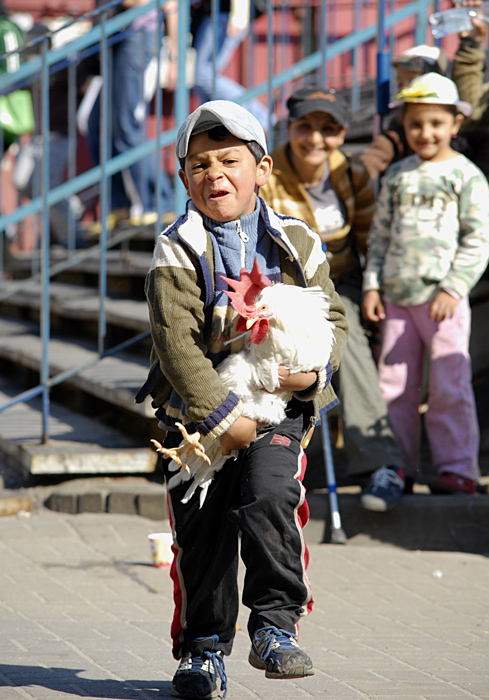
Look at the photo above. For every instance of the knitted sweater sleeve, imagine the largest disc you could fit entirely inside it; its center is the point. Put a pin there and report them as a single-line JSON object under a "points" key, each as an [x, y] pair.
{"points": [[177, 318], [468, 76]]}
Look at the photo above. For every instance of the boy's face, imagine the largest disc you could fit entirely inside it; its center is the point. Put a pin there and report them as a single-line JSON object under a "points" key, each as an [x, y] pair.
{"points": [[404, 76], [313, 137], [429, 129], [221, 177]]}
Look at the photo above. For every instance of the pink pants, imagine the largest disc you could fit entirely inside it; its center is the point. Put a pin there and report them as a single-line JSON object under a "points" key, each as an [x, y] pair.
{"points": [[451, 420]]}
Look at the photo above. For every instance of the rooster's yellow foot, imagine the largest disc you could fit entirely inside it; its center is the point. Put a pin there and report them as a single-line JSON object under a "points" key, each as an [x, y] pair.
{"points": [[192, 444]]}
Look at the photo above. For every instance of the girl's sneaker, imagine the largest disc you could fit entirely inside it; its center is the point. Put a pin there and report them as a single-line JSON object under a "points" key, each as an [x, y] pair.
{"points": [[277, 652], [452, 483]]}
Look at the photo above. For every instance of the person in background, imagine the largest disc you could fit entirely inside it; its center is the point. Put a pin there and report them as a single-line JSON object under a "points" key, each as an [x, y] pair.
{"points": [[11, 38], [232, 27], [27, 173], [315, 181], [428, 246], [391, 145], [133, 189], [468, 74]]}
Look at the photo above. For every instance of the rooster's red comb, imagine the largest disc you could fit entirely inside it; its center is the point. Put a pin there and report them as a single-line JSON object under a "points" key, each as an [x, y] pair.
{"points": [[247, 289]]}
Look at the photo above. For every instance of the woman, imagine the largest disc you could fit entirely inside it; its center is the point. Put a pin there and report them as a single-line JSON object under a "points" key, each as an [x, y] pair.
{"points": [[315, 181]]}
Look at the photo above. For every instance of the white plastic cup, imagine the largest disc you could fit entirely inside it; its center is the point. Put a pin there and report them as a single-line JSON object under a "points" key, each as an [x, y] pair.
{"points": [[160, 543]]}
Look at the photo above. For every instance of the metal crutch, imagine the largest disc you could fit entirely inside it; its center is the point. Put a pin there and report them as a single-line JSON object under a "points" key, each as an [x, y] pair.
{"points": [[338, 535]]}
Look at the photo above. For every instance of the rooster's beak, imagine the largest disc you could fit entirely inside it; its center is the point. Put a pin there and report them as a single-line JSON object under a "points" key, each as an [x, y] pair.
{"points": [[251, 322]]}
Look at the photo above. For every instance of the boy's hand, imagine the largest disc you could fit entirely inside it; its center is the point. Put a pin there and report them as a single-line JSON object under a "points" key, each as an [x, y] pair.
{"points": [[443, 306], [241, 434], [372, 306], [294, 382]]}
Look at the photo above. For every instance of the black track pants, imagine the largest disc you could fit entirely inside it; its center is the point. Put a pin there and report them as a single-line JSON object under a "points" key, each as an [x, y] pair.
{"points": [[261, 497]]}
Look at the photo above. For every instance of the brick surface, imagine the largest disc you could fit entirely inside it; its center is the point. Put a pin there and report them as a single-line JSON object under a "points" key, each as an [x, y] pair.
{"points": [[84, 614]]}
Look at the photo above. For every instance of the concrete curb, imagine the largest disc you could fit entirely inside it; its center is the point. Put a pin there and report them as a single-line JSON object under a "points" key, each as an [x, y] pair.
{"points": [[420, 521], [148, 504]]}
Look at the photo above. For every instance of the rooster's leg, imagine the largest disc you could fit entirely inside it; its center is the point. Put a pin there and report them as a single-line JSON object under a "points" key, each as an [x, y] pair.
{"points": [[191, 444]]}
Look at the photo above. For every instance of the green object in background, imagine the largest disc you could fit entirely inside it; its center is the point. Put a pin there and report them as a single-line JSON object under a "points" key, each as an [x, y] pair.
{"points": [[16, 113]]}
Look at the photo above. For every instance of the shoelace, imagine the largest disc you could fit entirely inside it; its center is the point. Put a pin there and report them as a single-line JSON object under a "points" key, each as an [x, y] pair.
{"points": [[275, 636], [214, 658], [383, 477], [218, 664]]}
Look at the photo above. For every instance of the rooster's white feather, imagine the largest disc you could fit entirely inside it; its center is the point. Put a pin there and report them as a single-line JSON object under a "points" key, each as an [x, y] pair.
{"points": [[300, 338]]}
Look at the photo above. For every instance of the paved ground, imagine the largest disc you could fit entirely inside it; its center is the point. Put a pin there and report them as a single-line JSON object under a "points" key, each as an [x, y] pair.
{"points": [[82, 613]]}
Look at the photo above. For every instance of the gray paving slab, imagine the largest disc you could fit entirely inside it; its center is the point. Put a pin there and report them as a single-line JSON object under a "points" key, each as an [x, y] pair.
{"points": [[84, 614]]}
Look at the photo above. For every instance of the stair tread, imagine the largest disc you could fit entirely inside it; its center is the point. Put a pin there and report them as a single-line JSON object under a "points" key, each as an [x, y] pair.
{"points": [[115, 378], [77, 301], [78, 444], [120, 263]]}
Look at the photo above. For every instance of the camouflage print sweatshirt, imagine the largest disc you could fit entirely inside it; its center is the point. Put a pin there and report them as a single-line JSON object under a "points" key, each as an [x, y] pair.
{"points": [[430, 230]]}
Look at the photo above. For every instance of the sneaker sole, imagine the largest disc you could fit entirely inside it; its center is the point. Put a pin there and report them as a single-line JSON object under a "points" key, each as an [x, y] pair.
{"points": [[191, 695], [370, 502], [297, 672]]}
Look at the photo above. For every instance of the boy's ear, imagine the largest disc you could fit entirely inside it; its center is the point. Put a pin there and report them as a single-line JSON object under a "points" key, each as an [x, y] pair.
{"points": [[263, 170], [183, 178]]}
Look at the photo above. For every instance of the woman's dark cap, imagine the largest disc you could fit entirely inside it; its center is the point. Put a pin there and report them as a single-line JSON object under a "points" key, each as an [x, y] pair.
{"points": [[313, 99]]}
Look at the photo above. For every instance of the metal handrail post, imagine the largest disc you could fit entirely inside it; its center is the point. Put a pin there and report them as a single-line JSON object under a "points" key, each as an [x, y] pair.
{"points": [[383, 68], [72, 143], [182, 93], [323, 32], [355, 88], [215, 19], [104, 185], [422, 22], [270, 73], [158, 116], [45, 242]]}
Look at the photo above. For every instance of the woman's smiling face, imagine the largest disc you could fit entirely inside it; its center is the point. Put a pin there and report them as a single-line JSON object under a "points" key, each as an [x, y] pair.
{"points": [[314, 136]]}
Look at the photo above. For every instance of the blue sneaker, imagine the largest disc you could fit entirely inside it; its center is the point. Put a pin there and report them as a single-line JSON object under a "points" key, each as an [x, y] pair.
{"points": [[277, 652], [384, 490], [198, 673]]}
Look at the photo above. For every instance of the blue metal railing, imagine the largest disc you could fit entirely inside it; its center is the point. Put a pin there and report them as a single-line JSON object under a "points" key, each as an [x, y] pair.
{"points": [[100, 38]]}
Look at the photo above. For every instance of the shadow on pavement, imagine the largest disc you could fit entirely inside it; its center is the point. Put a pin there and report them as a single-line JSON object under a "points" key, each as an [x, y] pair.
{"points": [[68, 680]]}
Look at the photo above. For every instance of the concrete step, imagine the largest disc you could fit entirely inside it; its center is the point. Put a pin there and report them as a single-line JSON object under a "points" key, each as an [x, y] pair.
{"points": [[72, 301], [77, 444], [113, 379], [126, 268], [420, 521]]}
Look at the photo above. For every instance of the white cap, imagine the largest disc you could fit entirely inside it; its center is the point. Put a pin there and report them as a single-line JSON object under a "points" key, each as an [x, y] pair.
{"points": [[433, 88], [237, 120]]}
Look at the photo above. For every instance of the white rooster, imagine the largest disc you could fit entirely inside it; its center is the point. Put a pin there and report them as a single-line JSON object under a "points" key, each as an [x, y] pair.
{"points": [[285, 325]]}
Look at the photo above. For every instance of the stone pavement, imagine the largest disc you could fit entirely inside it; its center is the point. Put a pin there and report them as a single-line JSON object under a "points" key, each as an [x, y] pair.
{"points": [[84, 614]]}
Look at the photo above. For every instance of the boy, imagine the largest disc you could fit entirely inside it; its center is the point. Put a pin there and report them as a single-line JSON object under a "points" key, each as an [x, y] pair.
{"points": [[391, 145], [428, 246], [223, 156]]}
